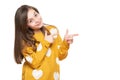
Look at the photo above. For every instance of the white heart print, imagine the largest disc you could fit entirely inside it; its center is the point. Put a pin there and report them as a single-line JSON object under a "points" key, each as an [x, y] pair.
{"points": [[48, 52], [54, 32], [39, 47], [57, 60], [29, 59], [37, 74], [56, 76]]}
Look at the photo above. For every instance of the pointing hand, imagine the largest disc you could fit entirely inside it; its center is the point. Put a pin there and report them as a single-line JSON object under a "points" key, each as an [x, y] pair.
{"points": [[69, 37]]}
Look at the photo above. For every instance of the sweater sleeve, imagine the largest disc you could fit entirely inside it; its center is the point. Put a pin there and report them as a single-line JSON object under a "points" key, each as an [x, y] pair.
{"points": [[63, 47], [35, 58]]}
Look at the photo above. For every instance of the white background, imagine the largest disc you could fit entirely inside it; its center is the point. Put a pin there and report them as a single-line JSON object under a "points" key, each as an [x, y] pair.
{"points": [[95, 53]]}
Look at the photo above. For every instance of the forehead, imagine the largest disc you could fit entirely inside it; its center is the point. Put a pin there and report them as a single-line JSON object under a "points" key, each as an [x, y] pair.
{"points": [[30, 13]]}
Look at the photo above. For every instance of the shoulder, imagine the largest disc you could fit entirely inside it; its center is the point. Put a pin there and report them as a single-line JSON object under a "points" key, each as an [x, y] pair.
{"points": [[52, 29], [48, 26]]}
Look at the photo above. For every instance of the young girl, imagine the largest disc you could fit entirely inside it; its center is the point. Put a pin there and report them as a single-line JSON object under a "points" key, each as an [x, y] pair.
{"points": [[39, 44]]}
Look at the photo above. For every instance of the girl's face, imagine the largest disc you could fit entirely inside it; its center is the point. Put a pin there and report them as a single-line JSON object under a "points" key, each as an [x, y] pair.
{"points": [[34, 20]]}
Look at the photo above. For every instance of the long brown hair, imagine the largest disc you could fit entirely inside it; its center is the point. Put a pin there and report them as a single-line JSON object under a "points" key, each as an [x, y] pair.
{"points": [[23, 33]]}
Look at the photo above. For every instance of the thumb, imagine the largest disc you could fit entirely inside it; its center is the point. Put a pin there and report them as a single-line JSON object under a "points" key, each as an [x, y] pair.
{"points": [[66, 32]]}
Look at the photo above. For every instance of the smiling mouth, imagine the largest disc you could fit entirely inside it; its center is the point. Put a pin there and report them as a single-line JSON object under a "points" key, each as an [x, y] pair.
{"points": [[39, 23]]}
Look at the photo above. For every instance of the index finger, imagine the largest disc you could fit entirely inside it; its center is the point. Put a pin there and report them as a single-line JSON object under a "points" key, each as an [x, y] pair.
{"points": [[74, 35]]}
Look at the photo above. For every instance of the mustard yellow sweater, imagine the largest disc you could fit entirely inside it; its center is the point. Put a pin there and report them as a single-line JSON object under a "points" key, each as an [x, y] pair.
{"points": [[43, 64]]}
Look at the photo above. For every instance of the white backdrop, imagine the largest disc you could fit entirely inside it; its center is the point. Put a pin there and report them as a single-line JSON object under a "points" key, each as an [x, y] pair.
{"points": [[95, 53]]}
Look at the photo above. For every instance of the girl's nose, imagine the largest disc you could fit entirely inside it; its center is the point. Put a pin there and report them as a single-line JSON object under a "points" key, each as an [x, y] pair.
{"points": [[37, 20]]}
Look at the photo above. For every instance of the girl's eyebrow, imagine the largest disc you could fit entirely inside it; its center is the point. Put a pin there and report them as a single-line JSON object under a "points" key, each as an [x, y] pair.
{"points": [[35, 12]]}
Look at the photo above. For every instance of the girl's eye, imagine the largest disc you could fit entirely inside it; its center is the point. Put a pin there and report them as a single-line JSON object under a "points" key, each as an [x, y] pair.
{"points": [[35, 15], [30, 21]]}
